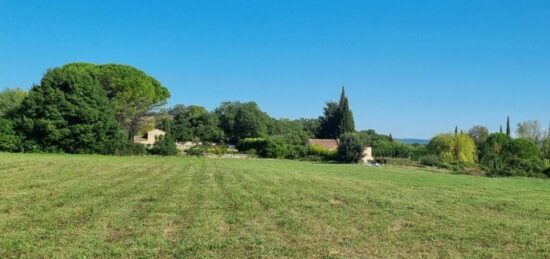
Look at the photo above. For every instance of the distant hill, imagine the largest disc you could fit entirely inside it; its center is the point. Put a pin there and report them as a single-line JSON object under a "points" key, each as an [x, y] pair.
{"points": [[413, 141]]}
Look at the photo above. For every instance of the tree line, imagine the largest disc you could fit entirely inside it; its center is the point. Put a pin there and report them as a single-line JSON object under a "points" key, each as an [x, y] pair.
{"points": [[88, 108]]}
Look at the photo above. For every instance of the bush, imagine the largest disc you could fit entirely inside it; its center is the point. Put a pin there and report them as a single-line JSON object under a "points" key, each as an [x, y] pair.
{"points": [[547, 172], [9, 141], [273, 147], [319, 153], [198, 150], [454, 148], [517, 157], [127, 148], [430, 160], [165, 146], [350, 149], [392, 149]]}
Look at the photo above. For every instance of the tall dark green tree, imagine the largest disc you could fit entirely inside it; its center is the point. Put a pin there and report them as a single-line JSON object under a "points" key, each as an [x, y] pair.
{"points": [[508, 130], [337, 118], [329, 123], [347, 124]]}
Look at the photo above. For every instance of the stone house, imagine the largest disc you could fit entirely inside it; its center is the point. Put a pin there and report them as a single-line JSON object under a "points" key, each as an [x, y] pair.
{"points": [[150, 137]]}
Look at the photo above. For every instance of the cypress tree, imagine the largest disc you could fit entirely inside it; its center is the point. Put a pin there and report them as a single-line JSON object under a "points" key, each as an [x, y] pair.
{"points": [[508, 132], [347, 125]]}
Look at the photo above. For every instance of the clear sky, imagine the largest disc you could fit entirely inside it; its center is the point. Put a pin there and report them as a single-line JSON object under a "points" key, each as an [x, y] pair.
{"points": [[411, 68]]}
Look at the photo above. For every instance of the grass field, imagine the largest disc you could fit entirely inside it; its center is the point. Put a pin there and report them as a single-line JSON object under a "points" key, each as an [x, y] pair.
{"points": [[100, 206]]}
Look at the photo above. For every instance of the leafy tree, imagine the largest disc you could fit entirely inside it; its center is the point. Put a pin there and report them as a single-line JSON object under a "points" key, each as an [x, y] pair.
{"points": [[69, 112], [10, 99], [491, 153], [165, 146], [9, 140], [310, 126], [531, 130], [195, 123], [465, 149], [329, 123], [521, 158], [546, 147], [241, 120], [132, 94], [479, 134], [350, 149], [337, 119], [451, 148]]}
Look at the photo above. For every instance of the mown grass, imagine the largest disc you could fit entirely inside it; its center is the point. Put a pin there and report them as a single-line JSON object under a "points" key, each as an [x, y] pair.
{"points": [[101, 206]]}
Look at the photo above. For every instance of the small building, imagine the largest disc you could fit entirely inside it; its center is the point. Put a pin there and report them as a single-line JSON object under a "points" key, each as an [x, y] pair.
{"points": [[150, 137], [367, 155]]}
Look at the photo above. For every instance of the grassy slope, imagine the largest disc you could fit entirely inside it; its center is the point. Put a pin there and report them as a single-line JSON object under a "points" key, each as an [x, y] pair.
{"points": [[68, 205]]}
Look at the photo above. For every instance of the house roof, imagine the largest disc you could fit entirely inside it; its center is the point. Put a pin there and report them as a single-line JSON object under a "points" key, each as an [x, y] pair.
{"points": [[330, 144]]}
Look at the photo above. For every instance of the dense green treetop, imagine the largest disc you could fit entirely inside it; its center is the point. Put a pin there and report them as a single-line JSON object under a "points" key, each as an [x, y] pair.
{"points": [[68, 112], [10, 99]]}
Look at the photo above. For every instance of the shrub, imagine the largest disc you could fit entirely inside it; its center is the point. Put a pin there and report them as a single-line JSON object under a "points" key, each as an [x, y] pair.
{"points": [[319, 153], [9, 141], [430, 160], [165, 146], [127, 148], [547, 172], [273, 147], [198, 150], [350, 149], [517, 157], [453, 148]]}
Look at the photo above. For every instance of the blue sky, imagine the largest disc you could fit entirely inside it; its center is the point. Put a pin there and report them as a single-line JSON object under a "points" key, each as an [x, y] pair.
{"points": [[411, 68]]}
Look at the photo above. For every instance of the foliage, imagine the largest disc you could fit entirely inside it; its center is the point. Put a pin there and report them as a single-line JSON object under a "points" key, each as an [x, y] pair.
{"points": [[196, 123], [350, 149], [272, 147], [491, 156], [479, 134], [531, 130], [165, 146], [347, 124], [337, 119], [10, 99], [241, 120], [68, 112], [198, 150], [430, 160], [329, 123], [9, 140], [453, 148], [132, 94], [546, 148], [127, 148], [504, 156], [392, 149], [315, 151]]}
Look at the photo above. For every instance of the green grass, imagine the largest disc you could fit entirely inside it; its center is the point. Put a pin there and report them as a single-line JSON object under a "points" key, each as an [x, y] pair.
{"points": [[101, 206]]}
